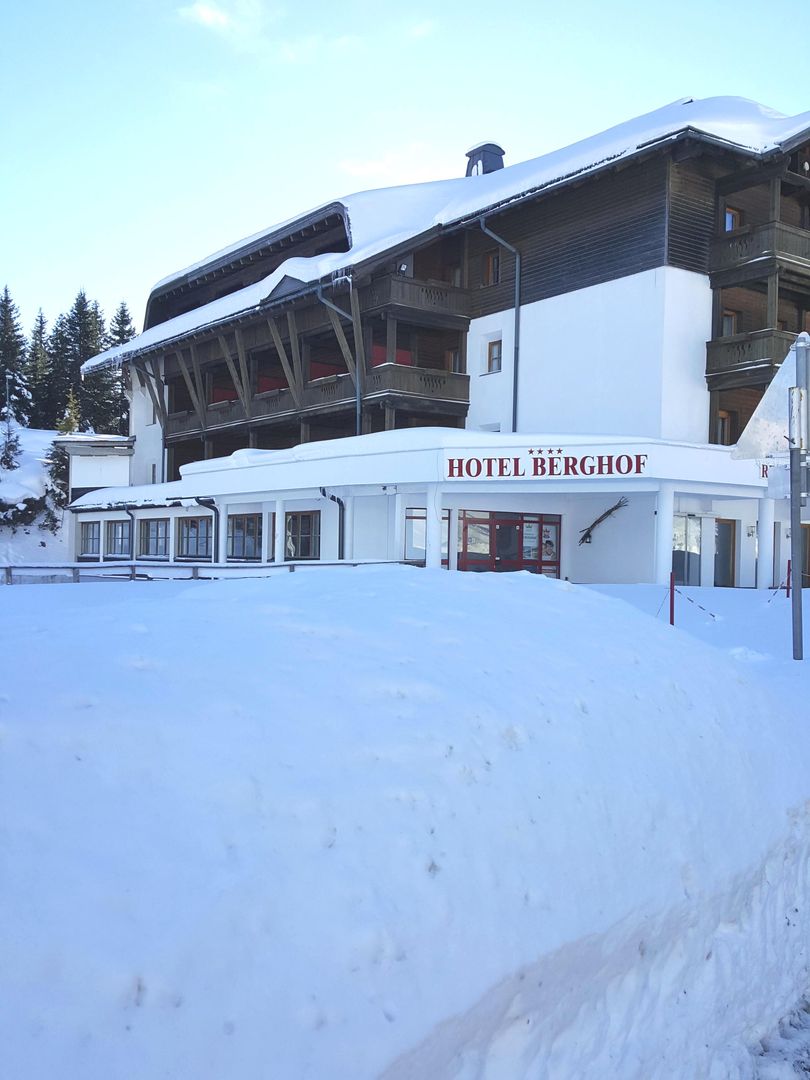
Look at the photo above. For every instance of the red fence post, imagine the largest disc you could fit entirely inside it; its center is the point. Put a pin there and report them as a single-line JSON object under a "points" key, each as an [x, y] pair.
{"points": [[672, 599]]}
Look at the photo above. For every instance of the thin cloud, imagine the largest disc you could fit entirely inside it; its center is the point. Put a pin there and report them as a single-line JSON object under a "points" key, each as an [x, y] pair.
{"points": [[422, 29], [206, 15]]}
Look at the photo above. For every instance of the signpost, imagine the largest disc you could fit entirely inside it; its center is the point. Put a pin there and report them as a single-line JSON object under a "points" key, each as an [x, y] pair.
{"points": [[797, 440]]}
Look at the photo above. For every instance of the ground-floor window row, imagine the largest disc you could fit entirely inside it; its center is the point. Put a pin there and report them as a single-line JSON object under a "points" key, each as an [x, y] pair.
{"points": [[194, 537]]}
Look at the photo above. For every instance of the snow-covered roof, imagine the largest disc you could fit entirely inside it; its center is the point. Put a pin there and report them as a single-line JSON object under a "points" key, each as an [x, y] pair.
{"points": [[415, 455], [383, 219]]}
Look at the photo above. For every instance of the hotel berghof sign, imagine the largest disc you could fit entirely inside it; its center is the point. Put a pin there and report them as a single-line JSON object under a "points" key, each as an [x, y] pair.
{"points": [[541, 464]]}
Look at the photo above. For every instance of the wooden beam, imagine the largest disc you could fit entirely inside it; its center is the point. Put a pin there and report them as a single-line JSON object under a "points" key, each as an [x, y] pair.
{"points": [[390, 340], [198, 379], [226, 352], [772, 316], [775, 198], [342, 344], [243, 367], [747, 178], [359, 347], [285, 361], [159, 390], [192, 392], [146, 379], [295, 348]]}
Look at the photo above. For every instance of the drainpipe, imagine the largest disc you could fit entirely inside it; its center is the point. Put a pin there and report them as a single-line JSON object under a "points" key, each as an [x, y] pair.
{"points": [[209, 504], [341, 518], [358, 393], [503, 243]]}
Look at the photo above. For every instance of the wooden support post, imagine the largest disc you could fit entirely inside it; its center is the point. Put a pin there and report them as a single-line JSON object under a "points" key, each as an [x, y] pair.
{"points": [[295, 349], [198, 379], [343, 344], [775, 198], [160, 390], [390, 418], [772, 316], [243, 367], [192, 391], [304, 431], [150, 389], [237, 382], [285, 362], [390, 340]]}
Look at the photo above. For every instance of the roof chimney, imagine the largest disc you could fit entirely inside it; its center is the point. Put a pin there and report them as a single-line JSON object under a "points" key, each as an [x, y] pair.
{"points": [[484, 158]]}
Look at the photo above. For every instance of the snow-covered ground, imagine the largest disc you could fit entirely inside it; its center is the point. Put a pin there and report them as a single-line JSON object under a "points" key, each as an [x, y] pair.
{"points": [[29, 543], [398, 823]]}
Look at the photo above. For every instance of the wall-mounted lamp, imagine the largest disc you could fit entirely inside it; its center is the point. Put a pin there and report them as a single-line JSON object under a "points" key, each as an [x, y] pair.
{"points": [[752, 531]]}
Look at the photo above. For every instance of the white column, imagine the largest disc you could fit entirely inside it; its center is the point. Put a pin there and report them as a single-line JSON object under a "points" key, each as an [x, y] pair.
{"points": [[452, 550], [266, 550], [396, 536], [708, 549], [348, 526], [221, 554], [433, 527], [281, 532], [765, 521], [665, 509]]}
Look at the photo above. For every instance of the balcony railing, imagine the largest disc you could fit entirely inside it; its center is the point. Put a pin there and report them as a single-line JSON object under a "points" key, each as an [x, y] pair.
{"points": [[758, 241], [387, 379], [744, 352], [406, 292]]}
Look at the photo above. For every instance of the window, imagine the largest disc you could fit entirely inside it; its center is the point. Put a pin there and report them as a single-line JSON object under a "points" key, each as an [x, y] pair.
{"points": [[492, 268], [194, 538], [244, 536], [154, 538], [303, 535], [730, 324], [90, 539], [452, 361], [220, 385], [733, 219], [416, 536], [118, 539], [494, 355]]}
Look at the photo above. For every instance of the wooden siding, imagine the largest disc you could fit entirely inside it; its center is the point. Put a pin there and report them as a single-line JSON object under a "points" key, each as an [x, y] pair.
{"points": [[691, 214], [608, 227]]}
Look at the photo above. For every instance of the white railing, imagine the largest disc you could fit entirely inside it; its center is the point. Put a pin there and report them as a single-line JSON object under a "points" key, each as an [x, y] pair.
{"points": [[61, 573]]}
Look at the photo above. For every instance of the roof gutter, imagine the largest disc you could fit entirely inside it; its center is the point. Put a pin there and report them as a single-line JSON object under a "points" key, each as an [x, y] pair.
{"points": [[516, 351]]}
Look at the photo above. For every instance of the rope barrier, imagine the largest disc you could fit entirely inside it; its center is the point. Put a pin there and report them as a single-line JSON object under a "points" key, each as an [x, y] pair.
{"points": [[666, 597], [697, 605], [776, 591]]}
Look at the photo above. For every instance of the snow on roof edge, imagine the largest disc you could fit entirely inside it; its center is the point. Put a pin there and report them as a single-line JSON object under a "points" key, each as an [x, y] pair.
{"points": [[738, 122]]}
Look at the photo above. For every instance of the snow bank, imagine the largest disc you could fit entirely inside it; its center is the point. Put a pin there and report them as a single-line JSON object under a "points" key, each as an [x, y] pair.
{"points": [[391, 823]]}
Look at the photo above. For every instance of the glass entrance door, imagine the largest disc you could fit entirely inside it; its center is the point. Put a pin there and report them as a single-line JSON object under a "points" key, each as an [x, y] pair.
{"points": [[686, 549], [725, 552], [504, 542]]}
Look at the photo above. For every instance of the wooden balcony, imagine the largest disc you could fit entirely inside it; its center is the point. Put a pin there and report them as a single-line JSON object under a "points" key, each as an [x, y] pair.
{"points": [[405, 295], [435, 390], [755, 356], [745, 245]]}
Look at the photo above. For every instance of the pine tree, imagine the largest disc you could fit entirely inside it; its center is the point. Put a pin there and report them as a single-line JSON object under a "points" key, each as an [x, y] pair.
{"points": [[10, 448], [12, 359], [56, 489], [120, 332], [38, 371], [71, 420], [75, 338]]}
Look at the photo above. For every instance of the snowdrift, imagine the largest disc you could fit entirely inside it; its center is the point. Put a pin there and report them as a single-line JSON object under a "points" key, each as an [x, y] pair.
{"points": [[27, 483], [348, 824]]}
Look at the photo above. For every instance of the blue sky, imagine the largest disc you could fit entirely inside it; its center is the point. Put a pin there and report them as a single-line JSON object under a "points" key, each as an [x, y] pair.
{"points": [[140, 135]]}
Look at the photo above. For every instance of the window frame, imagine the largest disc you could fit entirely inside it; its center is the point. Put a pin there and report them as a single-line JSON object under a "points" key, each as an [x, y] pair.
{"points": [[111, 543], [86, 527], [732, 219], [491, 268], [734, 316], [314, 538], [258, 520], [205, 533], [494, 347], [161, 538]]}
